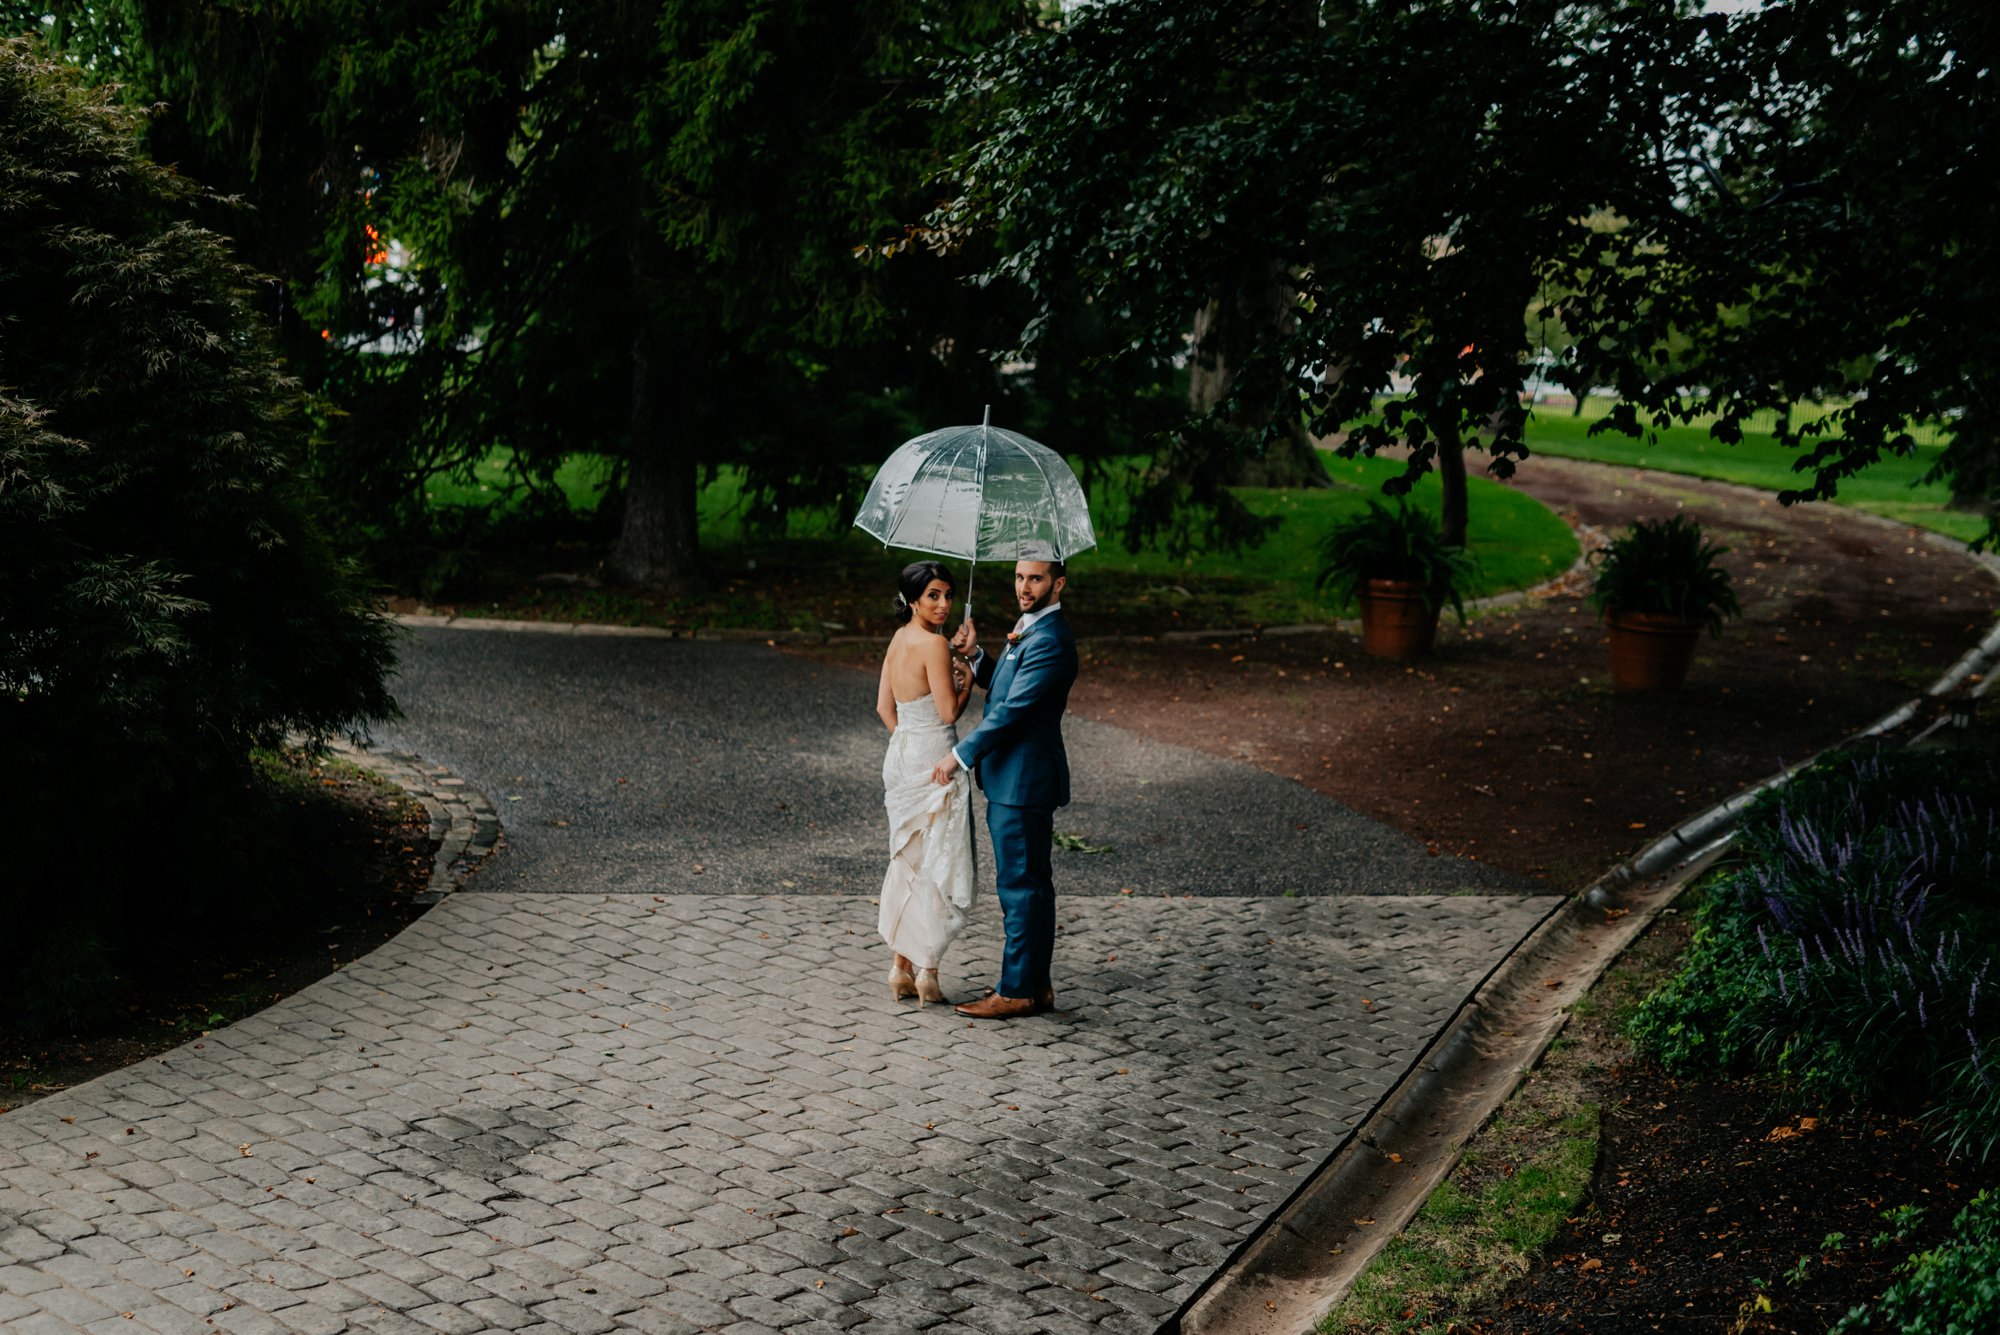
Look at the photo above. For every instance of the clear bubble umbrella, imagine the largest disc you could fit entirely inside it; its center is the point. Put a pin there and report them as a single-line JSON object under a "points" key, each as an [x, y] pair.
{"points": [[979, 493]]}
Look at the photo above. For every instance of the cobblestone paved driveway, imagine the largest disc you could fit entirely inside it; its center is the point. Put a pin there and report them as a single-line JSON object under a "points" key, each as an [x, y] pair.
{"points": [[567, 1113]]}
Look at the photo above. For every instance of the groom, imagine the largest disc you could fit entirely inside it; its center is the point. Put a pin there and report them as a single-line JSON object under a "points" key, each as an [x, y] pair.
{"points": [[1016, 754]]}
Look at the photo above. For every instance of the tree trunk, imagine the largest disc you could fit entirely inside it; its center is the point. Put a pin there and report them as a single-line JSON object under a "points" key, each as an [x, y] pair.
{"points": [[1224, 330], [1292, 461], [1971, 469], [659, 544], [1451, 479], [1208, 369]]}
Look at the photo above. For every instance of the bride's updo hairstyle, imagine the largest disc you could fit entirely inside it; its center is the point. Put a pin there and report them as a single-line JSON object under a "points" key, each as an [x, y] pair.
{"points": [[910, 585]]}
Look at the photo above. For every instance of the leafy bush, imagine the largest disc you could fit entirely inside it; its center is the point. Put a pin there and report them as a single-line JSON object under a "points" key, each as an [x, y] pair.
{"points": [[1853, 947], [1665, 567], [1952, 1289], [167, 600], [1404, 543]]}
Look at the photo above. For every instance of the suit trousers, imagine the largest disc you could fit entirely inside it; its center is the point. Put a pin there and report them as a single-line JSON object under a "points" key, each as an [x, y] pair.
{"points": [[1023, 842]]}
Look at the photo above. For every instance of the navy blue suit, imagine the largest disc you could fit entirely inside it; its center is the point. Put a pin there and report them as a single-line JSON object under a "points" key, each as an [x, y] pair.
{"points": [[1016, 755]]}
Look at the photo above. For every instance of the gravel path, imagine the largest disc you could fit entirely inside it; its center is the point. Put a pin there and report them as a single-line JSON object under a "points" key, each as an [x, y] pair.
{"points": [[675, 766]]}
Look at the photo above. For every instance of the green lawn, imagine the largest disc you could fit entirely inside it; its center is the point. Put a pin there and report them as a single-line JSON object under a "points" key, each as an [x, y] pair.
{"points": [[1890, 488], [582, 479], [813, 573], [1517, 540]]}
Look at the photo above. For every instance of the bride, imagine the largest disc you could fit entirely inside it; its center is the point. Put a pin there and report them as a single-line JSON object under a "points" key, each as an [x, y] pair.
{"points": [[929, 884]]}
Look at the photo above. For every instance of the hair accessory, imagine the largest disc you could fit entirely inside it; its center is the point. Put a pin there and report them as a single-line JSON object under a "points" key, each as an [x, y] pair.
{"points": [[901, 601]]}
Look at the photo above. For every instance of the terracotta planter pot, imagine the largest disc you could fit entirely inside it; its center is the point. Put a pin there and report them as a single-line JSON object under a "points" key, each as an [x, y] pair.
{"points": [[1395, 622], [1650, 652]]}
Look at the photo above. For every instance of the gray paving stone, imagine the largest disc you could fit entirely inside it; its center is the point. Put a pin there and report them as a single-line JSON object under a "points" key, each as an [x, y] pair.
{"points": [[787, 1173], [311, 1319], [498, 1314], [165, 1319]]}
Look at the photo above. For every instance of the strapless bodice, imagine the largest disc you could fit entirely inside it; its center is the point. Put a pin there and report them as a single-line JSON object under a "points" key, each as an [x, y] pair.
{"points": [[919, 715]]}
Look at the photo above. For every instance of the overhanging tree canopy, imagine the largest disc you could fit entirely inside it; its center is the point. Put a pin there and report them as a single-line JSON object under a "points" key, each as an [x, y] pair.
{"points": [[1833, 237], [626, 228], [1727, 213]]}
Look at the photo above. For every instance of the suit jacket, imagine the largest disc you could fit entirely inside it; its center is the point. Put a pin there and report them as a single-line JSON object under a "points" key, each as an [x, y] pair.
{"points": [[1016, 753]]}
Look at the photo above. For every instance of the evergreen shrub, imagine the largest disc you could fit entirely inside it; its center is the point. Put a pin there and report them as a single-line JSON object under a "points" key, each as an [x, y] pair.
{"points": [[167, 598]]}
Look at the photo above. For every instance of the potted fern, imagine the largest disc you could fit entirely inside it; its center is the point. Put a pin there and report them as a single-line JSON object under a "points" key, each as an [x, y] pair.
{"points": [[1658, 585], [1398, 567]]}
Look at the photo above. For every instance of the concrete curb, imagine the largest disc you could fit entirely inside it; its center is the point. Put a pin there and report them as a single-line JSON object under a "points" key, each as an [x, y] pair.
{"points": [[1307, 1257], [1310, 1253], [464, 827]]}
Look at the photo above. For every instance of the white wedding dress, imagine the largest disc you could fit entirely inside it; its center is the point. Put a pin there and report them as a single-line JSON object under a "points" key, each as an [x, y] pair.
{"points": [[928, 888]]}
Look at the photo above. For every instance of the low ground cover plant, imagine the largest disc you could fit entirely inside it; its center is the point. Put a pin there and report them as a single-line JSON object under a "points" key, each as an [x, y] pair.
{"points": [[1952, 1287], [1852, 949]]}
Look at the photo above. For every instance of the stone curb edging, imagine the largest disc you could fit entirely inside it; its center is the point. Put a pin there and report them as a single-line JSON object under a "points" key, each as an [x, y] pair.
{"points": [[1310, 1253], [1281, 1281], [464, 827]]}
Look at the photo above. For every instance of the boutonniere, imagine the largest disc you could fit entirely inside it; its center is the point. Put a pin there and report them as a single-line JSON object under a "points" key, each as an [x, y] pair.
{"points": [[1014, 637]]}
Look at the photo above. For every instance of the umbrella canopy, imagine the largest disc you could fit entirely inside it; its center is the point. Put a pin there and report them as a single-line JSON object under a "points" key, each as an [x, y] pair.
{"points": [[979, 493]]}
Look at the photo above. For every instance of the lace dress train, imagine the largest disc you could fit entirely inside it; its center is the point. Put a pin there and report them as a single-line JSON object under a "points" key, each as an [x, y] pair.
{"points": [[928, 887]]}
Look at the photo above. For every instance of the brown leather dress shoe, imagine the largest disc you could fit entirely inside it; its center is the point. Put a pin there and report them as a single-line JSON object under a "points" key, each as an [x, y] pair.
{"points": [[993, 1006], [1045, 1000]]}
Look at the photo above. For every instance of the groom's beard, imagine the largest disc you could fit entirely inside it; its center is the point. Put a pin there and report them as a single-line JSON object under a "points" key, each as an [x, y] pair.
{"points": [[1038, 604]]}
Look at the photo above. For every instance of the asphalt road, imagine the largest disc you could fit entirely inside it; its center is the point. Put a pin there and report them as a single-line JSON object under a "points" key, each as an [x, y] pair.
{"points": [[627, 765]]}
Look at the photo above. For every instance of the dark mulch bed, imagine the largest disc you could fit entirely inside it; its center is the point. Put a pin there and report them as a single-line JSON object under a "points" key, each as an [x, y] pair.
{"points": [[1709, 1194], [1713, 1199], [352, 853]]}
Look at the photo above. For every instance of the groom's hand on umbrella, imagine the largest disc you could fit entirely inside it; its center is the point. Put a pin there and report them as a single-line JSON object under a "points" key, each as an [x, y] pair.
{"points": [[942, 771], [965, 640]]}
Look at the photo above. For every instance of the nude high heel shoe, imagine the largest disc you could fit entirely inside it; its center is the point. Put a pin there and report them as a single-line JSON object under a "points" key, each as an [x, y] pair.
{"points": [[901, 982], [927, 987]]}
